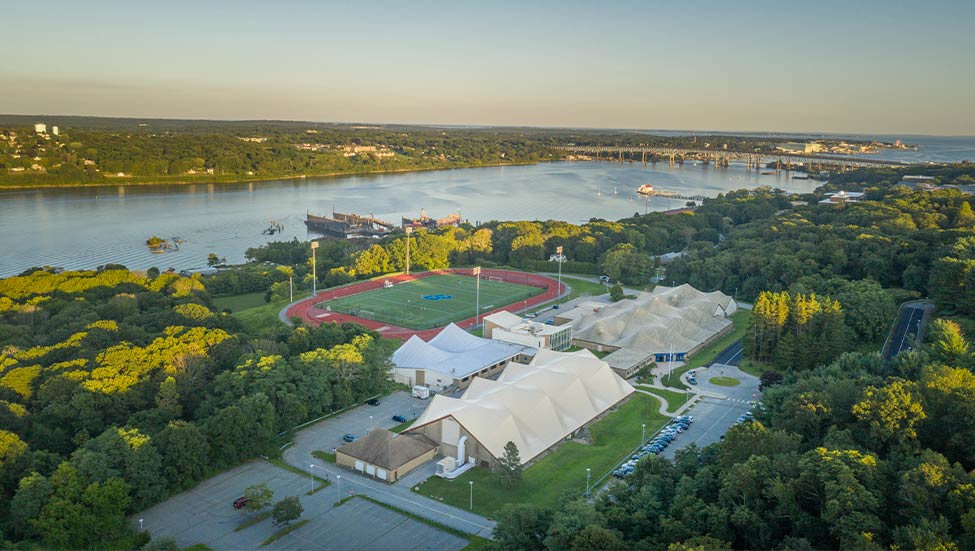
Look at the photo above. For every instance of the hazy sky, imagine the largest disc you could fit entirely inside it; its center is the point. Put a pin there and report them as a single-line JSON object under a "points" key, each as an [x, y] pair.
{"points": [[818, 66]]}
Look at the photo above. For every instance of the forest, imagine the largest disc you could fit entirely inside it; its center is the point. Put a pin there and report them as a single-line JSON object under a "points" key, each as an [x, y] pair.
{"points": [[120, 388]]}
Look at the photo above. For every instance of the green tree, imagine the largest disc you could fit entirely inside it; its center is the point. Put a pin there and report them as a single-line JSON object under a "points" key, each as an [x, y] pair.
{"points": [[260, 496], [185, 453], [286, 510], [508, 470], [891, 412], [616, 292], [948, 344], [167, 399], [522, 527], [165, 543]]}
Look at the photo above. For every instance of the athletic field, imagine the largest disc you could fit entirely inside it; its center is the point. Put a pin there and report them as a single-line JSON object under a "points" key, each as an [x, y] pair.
{"points": [[430, 302]]}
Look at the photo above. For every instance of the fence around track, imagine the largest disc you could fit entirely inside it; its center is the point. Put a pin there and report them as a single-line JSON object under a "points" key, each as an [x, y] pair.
{"points": [[308, 311]]}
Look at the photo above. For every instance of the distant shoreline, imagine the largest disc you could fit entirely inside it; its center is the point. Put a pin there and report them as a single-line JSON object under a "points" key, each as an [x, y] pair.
{"points": [[122, 182]]}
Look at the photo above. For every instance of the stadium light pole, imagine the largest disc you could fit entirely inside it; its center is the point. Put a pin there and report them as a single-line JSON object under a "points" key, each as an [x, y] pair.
{"points": [[314, 271], [558, 251], [409, 231], [477, 300]]}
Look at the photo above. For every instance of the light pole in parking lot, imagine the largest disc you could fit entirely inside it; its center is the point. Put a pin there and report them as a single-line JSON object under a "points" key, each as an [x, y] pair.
{"points": [[371, 425], [644, 438], [338, 477], [312, 467], [472, 495], [140, 523], [587, 480]]}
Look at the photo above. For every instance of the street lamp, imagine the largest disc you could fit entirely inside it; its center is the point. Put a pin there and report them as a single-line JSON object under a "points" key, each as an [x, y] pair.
{"points": [[477, 301], [371, 425], [558, 251], [409, 230], [644, 439], [338, 477], [140, 523], [314, 271], [524, 309], [587, 480], [472, 495], [312, 466]]}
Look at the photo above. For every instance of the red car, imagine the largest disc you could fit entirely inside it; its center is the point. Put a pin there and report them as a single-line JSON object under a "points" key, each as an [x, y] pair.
{"points": [[241, 502]]}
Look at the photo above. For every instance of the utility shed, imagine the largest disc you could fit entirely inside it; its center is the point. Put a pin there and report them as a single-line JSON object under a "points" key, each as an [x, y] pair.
{"points": [[386, 455]]}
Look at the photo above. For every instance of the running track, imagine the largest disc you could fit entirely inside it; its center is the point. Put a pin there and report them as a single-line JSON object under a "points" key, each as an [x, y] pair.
{"points": [[307, 311]]}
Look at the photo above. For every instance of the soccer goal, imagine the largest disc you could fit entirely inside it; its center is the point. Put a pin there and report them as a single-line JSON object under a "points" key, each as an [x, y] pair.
{"points": [[499, 279], [366, 314]]}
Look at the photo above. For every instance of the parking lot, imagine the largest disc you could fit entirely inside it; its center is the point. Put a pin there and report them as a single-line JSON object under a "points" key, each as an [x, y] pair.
{"points": [[206, 515], [328, 434], [363, 525], [714, 416]]}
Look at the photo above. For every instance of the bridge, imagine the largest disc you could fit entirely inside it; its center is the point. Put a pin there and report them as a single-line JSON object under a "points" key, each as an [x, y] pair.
{"points": [[720, 157]]}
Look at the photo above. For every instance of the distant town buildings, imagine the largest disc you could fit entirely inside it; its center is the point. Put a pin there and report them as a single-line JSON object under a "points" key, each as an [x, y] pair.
{"points": [[930, 183], [40, 128], [842, 197]]}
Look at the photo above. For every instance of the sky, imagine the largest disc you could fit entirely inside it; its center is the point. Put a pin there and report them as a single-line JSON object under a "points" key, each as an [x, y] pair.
{"points": [[862, 66]]}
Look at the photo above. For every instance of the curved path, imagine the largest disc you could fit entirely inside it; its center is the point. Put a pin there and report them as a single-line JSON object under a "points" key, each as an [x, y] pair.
{"points": [[311, 314]]}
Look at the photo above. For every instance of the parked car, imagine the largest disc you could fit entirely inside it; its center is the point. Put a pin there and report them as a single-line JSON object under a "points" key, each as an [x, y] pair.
{"points": [[241, 502], [373, 402], [349, 437], [399, 418], [692, 380], [550, 321]]}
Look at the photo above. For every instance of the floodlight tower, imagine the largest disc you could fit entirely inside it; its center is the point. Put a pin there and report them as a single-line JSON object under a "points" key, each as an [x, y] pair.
{"points": [[409, 231], [314, 271]]}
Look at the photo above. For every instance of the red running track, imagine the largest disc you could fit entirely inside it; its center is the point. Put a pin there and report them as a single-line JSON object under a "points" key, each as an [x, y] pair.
{"points": [[314, 316]]}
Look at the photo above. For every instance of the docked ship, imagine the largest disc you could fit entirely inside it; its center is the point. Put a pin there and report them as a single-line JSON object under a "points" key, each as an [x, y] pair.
{"points": [[348, 226], [425, 221], [645, 189]]}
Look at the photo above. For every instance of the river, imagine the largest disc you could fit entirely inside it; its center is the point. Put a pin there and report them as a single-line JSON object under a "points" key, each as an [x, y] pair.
{"points": [[78, 228]]}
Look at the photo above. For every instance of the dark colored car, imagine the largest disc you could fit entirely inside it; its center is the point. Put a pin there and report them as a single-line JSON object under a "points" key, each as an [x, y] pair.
{"points": [[348, 437], [399, 418], [372, 402], [241, 502]]}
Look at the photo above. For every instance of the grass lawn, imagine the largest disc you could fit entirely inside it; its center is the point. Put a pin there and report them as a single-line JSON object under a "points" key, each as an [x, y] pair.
{"points": [[724, 381], [582, 287], [430, 302], [256, 320], [237, 303], [402, 426], [706, 355], [324, 456], [564, 470], [754, 367], [673, 398]]}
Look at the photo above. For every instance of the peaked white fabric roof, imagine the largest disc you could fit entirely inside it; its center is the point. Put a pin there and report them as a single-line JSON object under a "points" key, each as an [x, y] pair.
{"points": [[533, 405], [454, 352], [671, 318]]}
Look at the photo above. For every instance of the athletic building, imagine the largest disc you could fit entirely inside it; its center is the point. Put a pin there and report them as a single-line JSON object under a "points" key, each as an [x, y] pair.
{"points": [[508, 327], [453, 358], [386, 455], [535, 405], [666, 325]]}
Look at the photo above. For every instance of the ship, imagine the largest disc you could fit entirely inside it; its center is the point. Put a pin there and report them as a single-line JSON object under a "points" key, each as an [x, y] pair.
{"points": [[348, 226], [425, 221], [645, 189]]}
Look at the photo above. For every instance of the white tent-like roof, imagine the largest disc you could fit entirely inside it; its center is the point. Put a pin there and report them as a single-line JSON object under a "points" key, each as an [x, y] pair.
{"points": [[454, 352], [670, 318], [533, 405]]}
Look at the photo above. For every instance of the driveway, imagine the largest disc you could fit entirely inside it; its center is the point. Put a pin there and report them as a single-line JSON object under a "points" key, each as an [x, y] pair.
{"points": [[713, 416]]}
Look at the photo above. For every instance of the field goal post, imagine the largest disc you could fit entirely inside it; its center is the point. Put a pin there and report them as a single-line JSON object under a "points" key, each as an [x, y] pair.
{"points": [[366, 314]]}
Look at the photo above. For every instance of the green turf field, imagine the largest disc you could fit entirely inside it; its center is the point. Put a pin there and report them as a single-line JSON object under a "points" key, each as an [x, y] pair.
{"points": [[404, 305]]}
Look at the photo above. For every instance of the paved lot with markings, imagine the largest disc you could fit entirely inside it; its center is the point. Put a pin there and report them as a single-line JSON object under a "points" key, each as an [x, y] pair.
{"points": [[361, 525], [328, 434]]}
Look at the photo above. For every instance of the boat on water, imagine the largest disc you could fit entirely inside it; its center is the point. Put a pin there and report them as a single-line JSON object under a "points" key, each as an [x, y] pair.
{"points": [[645, 189], [348, 226]]}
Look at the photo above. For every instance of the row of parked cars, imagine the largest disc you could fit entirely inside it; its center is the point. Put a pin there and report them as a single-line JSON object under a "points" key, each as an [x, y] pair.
{"points": [[657, 445]]}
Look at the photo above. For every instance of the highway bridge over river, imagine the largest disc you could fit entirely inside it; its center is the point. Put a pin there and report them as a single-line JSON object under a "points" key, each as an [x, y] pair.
{"points": [[720, 157]]}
